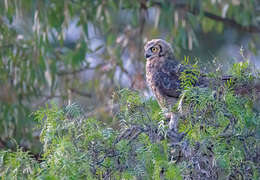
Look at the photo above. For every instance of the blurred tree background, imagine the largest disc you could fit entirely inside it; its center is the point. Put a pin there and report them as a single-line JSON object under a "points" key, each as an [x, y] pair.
{"points": [[84, 50]]}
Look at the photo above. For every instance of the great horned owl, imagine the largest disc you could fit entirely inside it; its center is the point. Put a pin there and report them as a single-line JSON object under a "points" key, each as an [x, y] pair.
{"points": [[163, 73]]}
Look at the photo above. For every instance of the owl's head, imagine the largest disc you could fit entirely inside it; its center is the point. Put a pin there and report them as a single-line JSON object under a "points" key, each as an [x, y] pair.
{"points": [[157, 48]]}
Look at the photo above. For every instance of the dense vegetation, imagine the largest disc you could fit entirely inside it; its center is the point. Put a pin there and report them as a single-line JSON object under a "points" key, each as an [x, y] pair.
{"points": [[61, 61], [220, 138], [82, 50]]}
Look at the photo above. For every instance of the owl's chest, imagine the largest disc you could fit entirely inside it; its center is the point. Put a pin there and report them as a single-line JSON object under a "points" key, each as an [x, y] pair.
{"points": [[152, 68]]}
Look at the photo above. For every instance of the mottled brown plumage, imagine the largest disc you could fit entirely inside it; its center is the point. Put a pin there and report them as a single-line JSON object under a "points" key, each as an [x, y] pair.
{"points": [[163, 77], [162, 72]]}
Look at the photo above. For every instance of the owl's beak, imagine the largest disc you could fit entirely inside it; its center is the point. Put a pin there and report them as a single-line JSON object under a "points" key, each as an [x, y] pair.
{"points": [[147, 55]]}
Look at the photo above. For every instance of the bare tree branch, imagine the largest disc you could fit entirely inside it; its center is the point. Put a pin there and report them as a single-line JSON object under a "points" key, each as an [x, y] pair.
{"points": [[232, 23]]}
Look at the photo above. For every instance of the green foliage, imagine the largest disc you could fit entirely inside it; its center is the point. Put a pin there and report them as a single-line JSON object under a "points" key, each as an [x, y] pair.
{"points": [[220, 119], [223, 140], [17, 165], [76, 147], [190, 75], [41, 60], [173, 172]]}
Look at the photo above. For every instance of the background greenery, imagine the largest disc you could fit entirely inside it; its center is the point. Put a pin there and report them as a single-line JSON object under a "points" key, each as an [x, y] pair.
{"points": [[83, 51]]}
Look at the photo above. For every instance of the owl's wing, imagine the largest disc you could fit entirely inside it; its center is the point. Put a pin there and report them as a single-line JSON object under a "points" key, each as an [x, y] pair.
{"points": [[167, 79]]}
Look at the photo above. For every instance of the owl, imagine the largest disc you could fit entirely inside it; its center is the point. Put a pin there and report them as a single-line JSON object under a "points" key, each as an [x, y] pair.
{"points": [[162, 72]]}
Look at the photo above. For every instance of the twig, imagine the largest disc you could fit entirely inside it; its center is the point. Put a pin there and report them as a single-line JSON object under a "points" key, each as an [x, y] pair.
{"points": [[81, 93], [135, 136], [127, 133], [46, 98], [65, 72]]}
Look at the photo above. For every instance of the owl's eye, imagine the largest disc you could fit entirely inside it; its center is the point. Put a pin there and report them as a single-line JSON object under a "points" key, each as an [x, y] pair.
{"points": [[154, 49]]}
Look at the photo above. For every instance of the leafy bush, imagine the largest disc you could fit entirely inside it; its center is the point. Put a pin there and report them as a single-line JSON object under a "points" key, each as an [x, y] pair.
{"points": [[220, 131]]}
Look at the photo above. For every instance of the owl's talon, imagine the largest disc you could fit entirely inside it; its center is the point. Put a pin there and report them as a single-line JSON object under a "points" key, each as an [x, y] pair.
{"points": [[173, 134]]}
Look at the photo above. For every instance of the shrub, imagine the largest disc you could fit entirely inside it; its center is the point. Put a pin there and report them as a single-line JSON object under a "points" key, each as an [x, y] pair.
{"points": [[220, 129]]}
